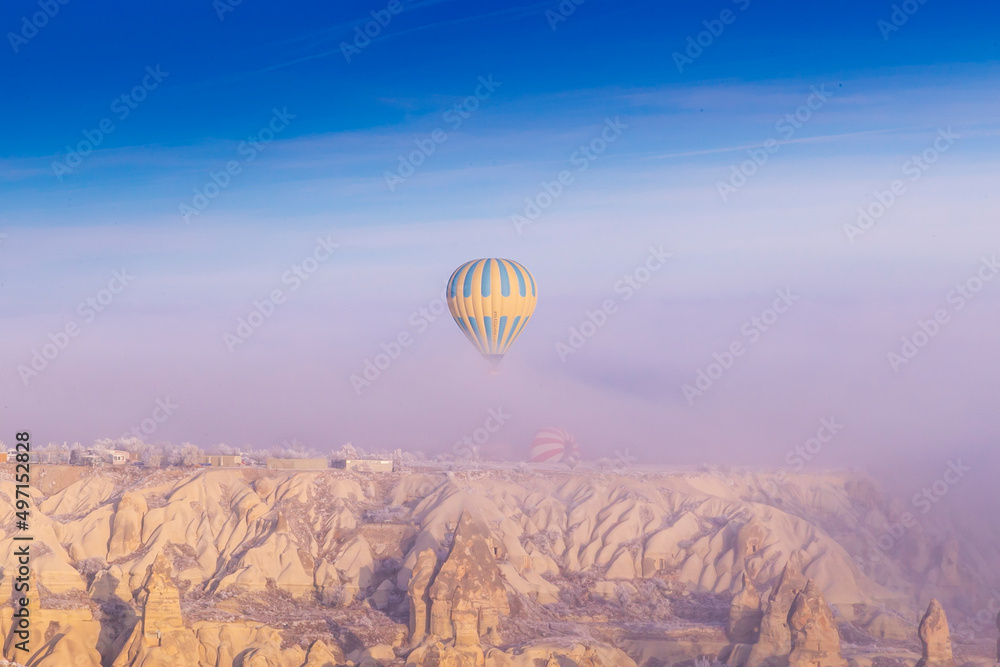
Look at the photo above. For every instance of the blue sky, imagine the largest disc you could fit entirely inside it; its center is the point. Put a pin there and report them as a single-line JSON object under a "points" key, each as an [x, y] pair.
{"points": [[885, 97], [224, 74]]}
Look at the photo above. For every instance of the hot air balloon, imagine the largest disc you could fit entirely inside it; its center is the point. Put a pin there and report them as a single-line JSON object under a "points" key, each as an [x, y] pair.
{"points": [[491, 300], [552, 445]]}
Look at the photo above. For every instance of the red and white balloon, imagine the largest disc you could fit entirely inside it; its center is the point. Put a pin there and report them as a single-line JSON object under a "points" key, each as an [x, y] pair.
{"points": [[552, 445]]}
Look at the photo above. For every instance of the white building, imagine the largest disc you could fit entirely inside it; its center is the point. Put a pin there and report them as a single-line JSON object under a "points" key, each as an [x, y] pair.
{"points": [[366, 465], [117, 457]]}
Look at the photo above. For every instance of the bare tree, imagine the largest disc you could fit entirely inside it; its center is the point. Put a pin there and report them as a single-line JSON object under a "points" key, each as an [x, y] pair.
{"points": [[347, 451], [185, 455]]}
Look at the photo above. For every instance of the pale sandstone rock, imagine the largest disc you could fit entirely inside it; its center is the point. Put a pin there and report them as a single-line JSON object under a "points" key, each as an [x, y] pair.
{"points": [[159, 639], [72, 644], [465, 620], [375, 656], [577, 655], [531, 584], [33, 635], [622, 567], [226, 653], [355, 565], [382, 597], [271, 655], [55, 637], [591, 515], [590, 659], [774, 641], [419, 595], [736, 655], [321, 655], [815, 640], [438, 654], [497, 658], [745, 614], [749, 540], [470, 581], [160, 600], [110, 583], [935, 638], [264, 487], [885, 626], [126, 530], [742, 630], [949, 564]]}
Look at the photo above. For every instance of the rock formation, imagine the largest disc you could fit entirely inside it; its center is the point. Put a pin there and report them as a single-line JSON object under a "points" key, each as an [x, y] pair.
{"points": [[268, 652], [749, 541], [815, 640], [742, 630], [459, 605], [465, 620], [589, 659], [126, 531], [745, 614], [48, 637], [159, 638], [418, 591], [438, 654], [582, 555], [321, 655], [774, 641], [935, 638], [949, 563], [109, 584], [161, 602], [468, 594]]}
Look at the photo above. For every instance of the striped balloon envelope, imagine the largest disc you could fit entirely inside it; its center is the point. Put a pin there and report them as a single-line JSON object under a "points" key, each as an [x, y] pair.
{"points": [[491, 300], [552, 445]]}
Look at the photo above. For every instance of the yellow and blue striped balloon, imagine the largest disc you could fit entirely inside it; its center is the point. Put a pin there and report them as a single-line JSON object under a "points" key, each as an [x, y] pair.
{"points": [[491, 300]]}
